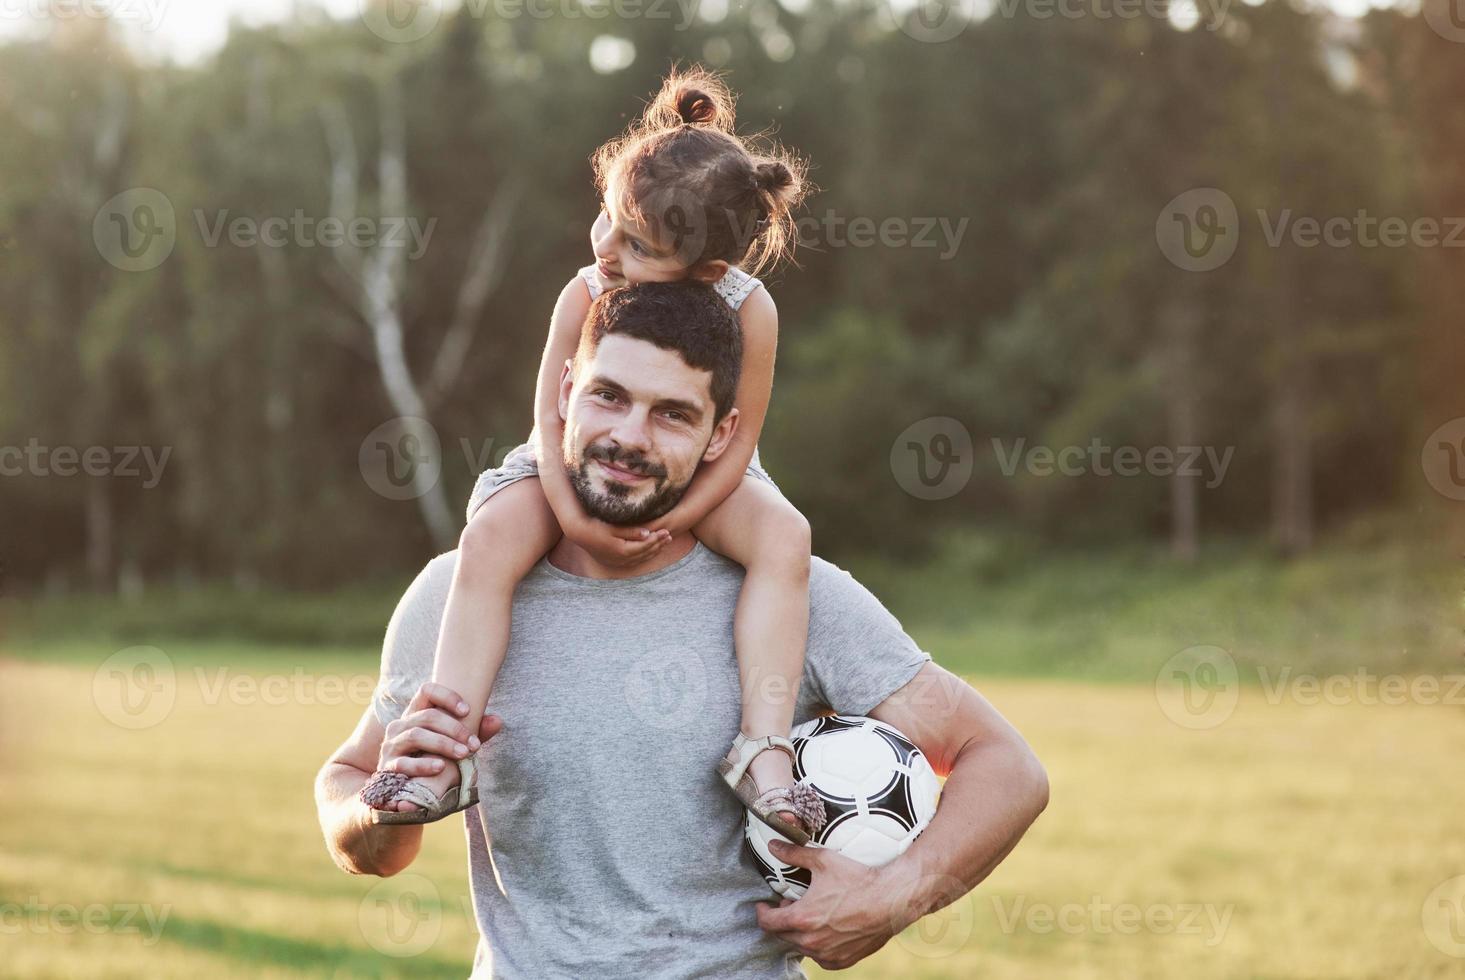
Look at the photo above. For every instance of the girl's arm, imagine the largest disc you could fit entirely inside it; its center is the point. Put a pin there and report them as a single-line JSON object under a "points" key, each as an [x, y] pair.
{"points": [[616, 546], [714, 481], [564, 337]]}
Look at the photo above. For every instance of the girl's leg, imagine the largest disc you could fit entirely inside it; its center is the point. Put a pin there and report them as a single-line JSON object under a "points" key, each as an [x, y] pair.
{"points": [[760, 530], [504, 540]]}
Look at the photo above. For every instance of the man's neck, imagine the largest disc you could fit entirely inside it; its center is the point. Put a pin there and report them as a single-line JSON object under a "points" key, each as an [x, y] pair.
{"points": [[572, 559]]}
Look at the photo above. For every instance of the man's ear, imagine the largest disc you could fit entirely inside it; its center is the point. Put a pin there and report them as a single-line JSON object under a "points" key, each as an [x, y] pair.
{"points": [[567, 385], [722, 434], [708, 272]]}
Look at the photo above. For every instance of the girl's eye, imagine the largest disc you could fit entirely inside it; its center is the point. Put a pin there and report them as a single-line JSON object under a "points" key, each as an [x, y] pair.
{"points": [[637, 247]]}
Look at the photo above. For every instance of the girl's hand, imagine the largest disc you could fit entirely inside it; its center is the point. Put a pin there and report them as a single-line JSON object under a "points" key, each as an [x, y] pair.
{"points": [[615, 546]]}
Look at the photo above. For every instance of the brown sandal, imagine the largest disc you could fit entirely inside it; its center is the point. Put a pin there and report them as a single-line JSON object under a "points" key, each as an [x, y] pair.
{"points": [[392, 787], [801, 798]]}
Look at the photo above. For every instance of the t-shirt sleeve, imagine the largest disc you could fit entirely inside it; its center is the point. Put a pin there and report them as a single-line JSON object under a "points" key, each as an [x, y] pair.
{"points": [[858, 654], [411, 639]]}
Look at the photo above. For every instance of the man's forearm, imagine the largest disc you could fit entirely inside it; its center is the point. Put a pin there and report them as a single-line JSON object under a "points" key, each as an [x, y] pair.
{"points": [[994, 792], [356, 846]]}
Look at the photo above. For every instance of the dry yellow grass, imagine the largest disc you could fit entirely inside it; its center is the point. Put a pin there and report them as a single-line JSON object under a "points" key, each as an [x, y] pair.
{"points": [[1291, 841]]}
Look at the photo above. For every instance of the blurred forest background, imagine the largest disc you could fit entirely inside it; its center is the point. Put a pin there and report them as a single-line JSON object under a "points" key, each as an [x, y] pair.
{"points": [[224, 577], [1053, 143]]}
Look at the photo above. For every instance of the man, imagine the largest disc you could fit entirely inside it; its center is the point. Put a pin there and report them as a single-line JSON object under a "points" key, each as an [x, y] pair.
{"points": [[606, 845]]}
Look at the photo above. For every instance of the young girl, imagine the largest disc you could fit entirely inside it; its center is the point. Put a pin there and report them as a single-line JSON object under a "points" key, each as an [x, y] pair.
{"points": [[683, 197]]}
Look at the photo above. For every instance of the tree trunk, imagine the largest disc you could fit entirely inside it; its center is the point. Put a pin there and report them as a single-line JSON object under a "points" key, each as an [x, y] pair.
{"points": [[1181, 324]]}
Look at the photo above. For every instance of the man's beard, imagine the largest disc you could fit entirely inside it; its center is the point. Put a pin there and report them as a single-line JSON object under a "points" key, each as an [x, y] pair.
{"points": [[614, 505]]}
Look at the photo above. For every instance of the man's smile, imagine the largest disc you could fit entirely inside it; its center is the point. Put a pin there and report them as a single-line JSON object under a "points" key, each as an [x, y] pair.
{"points": [[621, 475]]}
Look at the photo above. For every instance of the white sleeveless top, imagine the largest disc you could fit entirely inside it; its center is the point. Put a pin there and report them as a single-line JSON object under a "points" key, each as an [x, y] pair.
{"points": [[735, 287]]}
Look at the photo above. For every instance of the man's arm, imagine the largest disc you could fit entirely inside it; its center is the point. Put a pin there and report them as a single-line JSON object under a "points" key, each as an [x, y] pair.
{"points": [[995, 789], [356, 846], [430, 725]]}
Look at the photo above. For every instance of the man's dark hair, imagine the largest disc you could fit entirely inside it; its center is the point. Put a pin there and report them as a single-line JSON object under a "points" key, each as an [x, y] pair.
{"points": [[686, 317]]}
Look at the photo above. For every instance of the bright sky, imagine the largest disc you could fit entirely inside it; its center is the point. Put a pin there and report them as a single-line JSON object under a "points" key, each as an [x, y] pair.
{"points": [[190, 29]]}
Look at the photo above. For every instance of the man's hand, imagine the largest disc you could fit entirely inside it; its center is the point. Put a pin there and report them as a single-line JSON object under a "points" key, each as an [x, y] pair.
{"points": [[848, 913], [614, 546], [430, 732]]}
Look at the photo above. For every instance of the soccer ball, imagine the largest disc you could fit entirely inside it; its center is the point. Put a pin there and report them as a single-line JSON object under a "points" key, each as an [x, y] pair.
{"points": [[878, 789]]}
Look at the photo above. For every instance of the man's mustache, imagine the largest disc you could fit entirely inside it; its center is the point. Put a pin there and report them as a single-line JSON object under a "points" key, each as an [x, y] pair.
{"points": [[627, 459]]}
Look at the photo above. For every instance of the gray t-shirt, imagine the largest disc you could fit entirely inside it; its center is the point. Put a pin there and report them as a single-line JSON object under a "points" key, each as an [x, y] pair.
{"points": [[606, 845]]}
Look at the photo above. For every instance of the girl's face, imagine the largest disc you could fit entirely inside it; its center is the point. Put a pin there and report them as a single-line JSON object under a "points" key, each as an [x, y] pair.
{"points": [[629, 251]]}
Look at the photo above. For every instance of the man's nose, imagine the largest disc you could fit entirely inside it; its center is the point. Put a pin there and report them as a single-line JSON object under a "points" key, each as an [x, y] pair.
{"points": [[633, 429]]}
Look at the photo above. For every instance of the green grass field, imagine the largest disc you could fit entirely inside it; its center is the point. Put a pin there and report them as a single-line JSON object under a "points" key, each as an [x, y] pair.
{"points": [[1310, 832], [1289, 841]]}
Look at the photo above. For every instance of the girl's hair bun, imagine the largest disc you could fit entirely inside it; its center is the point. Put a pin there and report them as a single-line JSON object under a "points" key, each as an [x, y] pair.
{"points": [[690, 96], [773, 176], [695, 106]]}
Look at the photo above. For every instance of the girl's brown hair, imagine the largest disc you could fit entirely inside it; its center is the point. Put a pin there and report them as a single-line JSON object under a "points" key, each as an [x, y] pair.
{"points": [[681, 167]]}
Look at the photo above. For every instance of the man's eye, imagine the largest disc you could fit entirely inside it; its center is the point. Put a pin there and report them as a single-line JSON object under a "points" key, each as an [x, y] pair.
{"points": [[676, 416], [609, 396]]}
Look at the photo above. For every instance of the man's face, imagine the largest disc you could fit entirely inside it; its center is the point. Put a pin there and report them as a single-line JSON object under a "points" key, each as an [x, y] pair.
{"points": [[638, 422]]}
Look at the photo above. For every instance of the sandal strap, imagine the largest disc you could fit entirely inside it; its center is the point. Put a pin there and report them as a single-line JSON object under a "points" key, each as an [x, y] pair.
{"points": [[748, 748]]}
